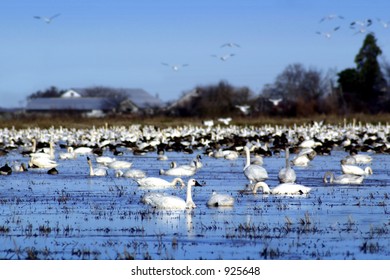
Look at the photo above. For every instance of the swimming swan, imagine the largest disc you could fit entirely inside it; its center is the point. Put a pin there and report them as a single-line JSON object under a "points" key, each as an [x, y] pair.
{"points": [[343, 179], [284, 188], [218, 200], [356, 170], [183, 170], [287, 174], [97, 171], [253, 172], [131, 173], [119, 164], [42, 162], [158, 183], [171, 202]]}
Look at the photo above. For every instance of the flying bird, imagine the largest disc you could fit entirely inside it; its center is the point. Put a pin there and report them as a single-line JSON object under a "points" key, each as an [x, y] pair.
{"points": [[330, 17], [175, 67], [47, 19], [385, 24], [231, 45], [224, 57], [329, 33], [275, 102], [244, 109], [361, 23]]}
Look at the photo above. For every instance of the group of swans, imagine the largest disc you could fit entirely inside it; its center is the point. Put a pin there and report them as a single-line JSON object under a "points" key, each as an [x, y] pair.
{"points": [[352, 173]]}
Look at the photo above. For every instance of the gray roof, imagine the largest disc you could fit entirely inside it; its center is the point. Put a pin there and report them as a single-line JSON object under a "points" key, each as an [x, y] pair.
{"points": [[141, 98], [78, 104]]}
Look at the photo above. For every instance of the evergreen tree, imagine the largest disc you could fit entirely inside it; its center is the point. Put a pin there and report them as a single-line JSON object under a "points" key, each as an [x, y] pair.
{"points": [[362, 87]]}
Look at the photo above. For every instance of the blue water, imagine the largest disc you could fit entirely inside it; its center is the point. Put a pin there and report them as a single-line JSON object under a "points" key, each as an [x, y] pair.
{"points": [[74, 216]]}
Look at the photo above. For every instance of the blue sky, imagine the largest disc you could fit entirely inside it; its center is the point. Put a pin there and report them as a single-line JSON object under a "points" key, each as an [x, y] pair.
{"points": [[123, 43]]}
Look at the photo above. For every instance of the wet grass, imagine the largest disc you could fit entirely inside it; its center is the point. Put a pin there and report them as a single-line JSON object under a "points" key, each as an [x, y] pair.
{"points": [[69, 121]]}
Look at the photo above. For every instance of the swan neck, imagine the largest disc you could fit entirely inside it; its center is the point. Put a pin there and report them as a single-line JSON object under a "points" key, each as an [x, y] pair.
{"points": [[248, 160], [90, 169], [189, 195]]}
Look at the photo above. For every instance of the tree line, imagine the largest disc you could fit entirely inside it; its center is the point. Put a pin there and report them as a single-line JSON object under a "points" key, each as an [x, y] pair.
{"points": [[297, 91]]}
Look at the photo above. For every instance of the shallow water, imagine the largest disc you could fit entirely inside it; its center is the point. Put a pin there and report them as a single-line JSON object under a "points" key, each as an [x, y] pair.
{"points": [[74, 216]]}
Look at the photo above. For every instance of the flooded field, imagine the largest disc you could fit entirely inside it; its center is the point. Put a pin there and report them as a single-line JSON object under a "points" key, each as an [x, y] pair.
{"points": [[72, 215]]}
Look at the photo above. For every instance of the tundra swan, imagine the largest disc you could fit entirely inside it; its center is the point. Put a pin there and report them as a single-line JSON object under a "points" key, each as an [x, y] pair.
{"points": [[343, 179], [253, 172], [83, 150], [183, 170], [42, 162], [171, 202], [217, 200], [100, 171], [131, 173], [287, 174], [105, 160], [158, 183], [356, 170], [120, 164], [68, 155], [284, 188]]}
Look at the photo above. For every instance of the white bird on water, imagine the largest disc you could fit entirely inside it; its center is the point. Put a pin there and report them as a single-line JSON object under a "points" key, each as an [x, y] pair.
{"points": [[47, 19], [287, 174], [253, 172], [171, 202], [344, 179], [282, 189], [220, 200]]}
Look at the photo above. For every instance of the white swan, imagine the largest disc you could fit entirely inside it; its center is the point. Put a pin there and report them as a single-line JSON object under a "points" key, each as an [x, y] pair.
{"points": [[344, 179], [180, 171], [42, 162], [69, 154], [356, 170], [100, 171], [218, 200], [253, 172], [83, 150], [171, 202], [131, 173], [303, 158], [105, 160], [362, 159], [120, 164], [158, 183], [287, 174], [285, 188]]}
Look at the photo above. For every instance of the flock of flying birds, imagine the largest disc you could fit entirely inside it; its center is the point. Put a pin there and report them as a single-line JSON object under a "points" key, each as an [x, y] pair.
{"points": [[359, 26]]}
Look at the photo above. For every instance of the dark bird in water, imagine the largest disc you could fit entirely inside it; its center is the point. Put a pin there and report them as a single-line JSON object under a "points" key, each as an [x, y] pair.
{"points": [[5, 170], [52, 171]]}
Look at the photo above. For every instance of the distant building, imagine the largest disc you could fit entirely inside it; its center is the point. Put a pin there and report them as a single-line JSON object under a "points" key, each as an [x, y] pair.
{"points": [[76, 101]]}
